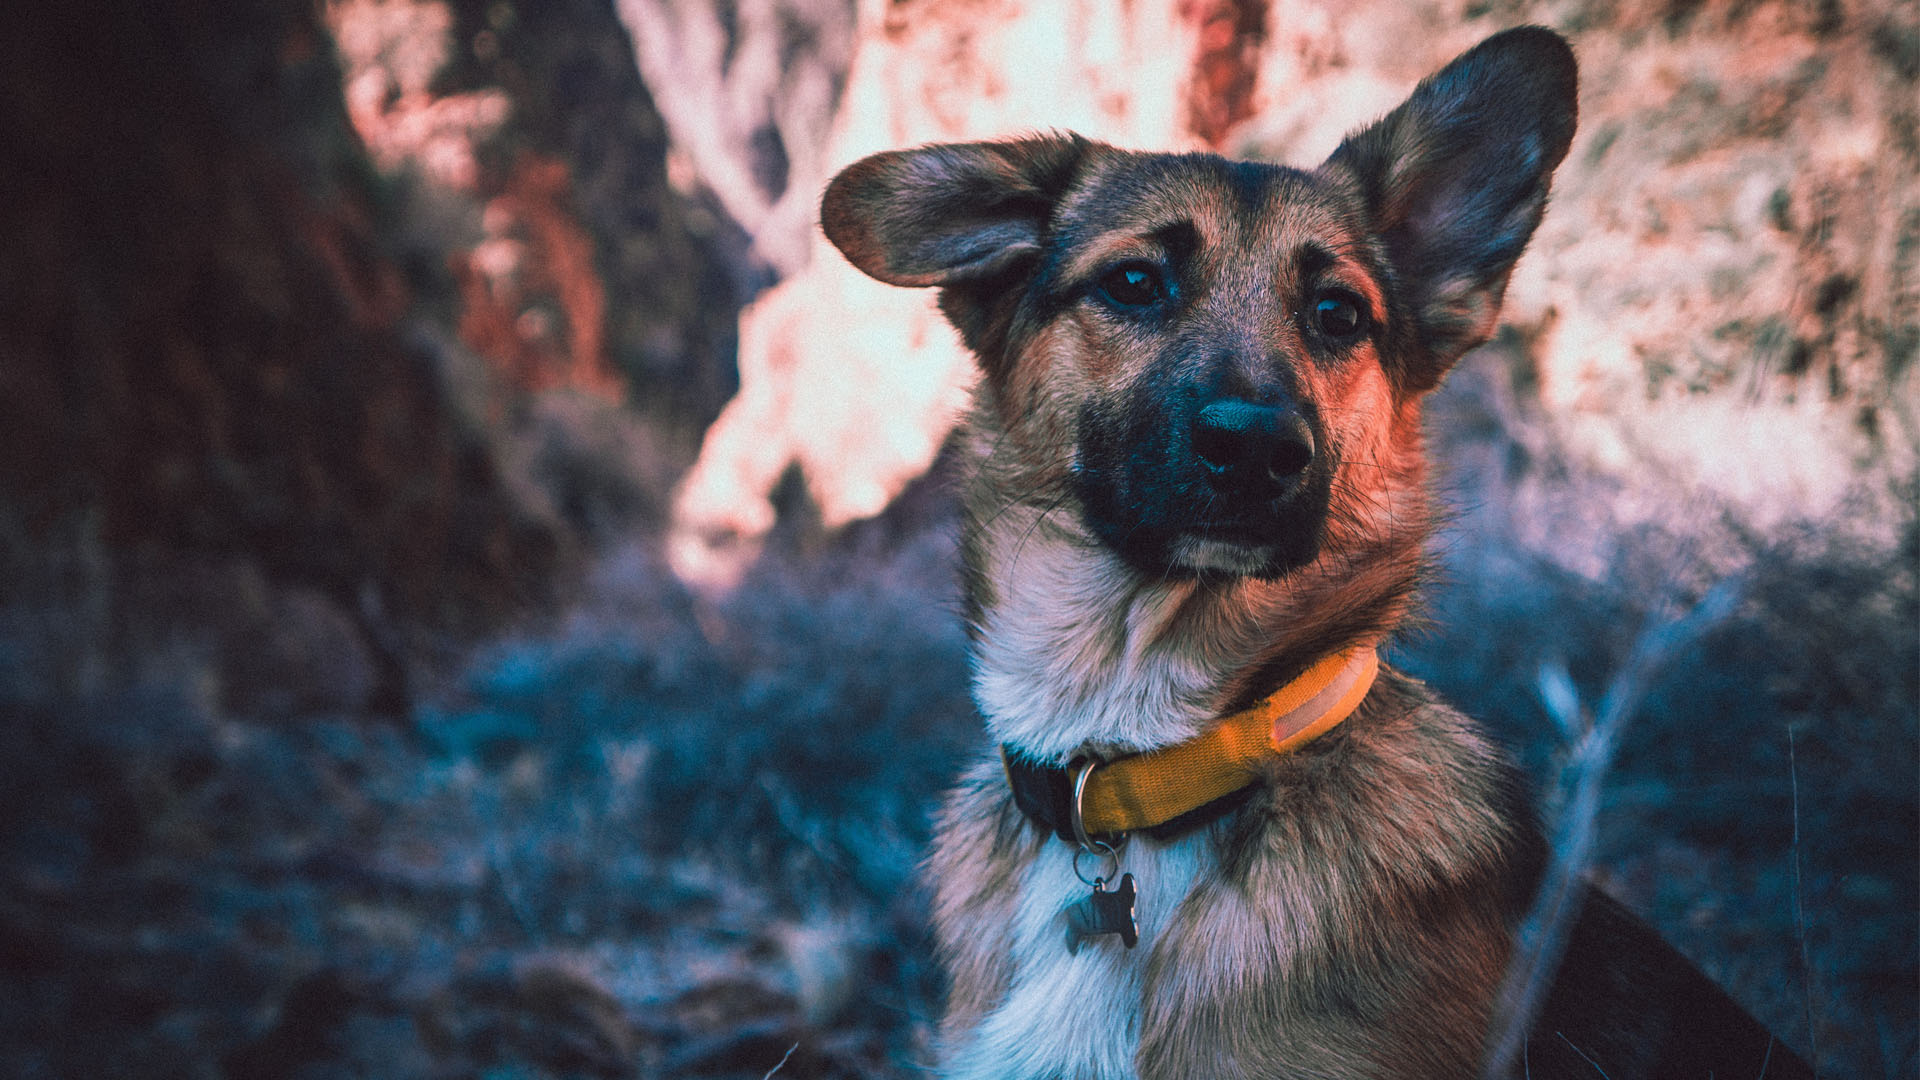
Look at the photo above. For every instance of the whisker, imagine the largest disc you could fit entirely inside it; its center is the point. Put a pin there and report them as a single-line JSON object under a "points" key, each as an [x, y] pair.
{"points": [[1033, 528]]}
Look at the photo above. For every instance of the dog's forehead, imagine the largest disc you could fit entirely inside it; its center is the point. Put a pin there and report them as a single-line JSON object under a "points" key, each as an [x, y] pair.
{"points": [[1214, 205]]}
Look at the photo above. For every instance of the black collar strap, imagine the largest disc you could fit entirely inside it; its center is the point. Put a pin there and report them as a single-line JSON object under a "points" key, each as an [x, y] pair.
{"points": [[1044, 794]]}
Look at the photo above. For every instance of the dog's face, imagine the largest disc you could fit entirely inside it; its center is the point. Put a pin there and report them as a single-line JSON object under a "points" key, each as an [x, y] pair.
{"points": [[1220, 362], [1203, 360]]}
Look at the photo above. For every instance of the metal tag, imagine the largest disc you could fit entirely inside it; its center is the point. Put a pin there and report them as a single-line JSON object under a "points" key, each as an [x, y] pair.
{"points": [[1103, 913]]}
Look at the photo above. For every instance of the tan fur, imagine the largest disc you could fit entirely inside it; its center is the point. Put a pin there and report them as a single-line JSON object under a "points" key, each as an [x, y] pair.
{"points": [[1337, 921]]}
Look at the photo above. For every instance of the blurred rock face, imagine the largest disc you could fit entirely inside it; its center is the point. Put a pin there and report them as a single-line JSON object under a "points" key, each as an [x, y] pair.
{"points": [[531, 300], [1723, 293], [206, 355], [535, 167], [1726, 292], [309, 353]]}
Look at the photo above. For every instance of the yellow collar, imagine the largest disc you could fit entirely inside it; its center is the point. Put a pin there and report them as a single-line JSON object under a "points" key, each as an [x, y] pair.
{"points": [[1152, 788]]}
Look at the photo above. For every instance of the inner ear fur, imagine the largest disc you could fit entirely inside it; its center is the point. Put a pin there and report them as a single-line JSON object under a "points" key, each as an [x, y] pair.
{"points": [[949, 214], [1455, 180]]}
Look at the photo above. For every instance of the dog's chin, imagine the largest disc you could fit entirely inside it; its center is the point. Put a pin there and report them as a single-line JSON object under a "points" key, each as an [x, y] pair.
{"points": [[1203, 556], [1192, 555]]}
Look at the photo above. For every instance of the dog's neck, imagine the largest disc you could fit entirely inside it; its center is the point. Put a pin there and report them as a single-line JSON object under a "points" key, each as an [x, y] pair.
{"points": [[1075, 651]]}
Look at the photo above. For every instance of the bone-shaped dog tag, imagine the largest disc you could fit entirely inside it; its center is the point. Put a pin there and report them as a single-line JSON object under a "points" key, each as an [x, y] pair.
{"points": [[1103, 913]]}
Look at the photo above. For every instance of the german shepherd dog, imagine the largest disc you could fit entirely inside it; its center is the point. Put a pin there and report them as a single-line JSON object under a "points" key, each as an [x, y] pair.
{"points": [[1219, 839]]}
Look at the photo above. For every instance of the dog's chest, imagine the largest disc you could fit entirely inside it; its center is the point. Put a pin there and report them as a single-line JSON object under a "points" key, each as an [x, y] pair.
{"points": [[1077, 1014]]}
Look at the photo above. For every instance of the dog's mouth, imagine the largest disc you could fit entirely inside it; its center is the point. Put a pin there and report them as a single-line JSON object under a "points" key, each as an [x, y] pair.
{"points": [[1167, 526], [1271, 540]]}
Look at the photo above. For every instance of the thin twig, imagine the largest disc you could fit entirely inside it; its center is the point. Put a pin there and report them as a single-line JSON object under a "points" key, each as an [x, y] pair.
{"points": [[1584, 1057], [1542, 936], [508, 880], [1799, 917], [782, 1062]]}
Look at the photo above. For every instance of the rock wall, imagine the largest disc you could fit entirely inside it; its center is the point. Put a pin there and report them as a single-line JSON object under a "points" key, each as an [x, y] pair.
{"points": [[1723, 294]]}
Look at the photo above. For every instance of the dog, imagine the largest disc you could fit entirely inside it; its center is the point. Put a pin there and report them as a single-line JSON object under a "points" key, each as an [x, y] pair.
{"points": [[1220, 839]]}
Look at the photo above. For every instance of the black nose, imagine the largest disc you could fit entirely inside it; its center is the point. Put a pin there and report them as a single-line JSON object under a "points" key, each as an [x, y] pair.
{"points": [[1249, 445]]}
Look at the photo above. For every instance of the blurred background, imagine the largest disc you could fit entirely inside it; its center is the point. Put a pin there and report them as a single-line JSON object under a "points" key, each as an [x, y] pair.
{"points": [[475, 575]]}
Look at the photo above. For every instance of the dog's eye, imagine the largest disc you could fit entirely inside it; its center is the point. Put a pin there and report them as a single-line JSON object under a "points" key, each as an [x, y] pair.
{"points": [[1134, 284], [1338, 315]]}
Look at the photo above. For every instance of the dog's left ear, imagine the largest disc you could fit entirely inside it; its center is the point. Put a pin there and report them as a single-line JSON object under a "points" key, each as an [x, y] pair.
{"points": [[971, 218], [1456, 178], [950, 213]]}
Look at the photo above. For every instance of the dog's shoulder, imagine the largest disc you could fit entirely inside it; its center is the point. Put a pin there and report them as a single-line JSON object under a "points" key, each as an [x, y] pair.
{"points": [[1420, 777], [1384, 863]]}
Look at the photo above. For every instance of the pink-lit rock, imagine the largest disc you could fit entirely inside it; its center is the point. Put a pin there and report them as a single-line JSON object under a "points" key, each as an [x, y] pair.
{"points": [[1717, 304]]}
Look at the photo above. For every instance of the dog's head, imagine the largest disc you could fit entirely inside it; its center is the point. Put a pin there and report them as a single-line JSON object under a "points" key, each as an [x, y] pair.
{"points": [[1217, 362]]}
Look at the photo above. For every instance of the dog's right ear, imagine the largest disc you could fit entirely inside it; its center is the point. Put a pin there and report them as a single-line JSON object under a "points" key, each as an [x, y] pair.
{"points": [[1455, 180], [949, 214]]}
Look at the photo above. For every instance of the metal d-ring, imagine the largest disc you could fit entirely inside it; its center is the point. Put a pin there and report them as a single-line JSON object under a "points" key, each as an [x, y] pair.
{"points": [[1079, 824], [1088, 845]]}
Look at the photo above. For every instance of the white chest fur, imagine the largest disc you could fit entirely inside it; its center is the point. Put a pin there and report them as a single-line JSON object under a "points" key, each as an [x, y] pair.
{"points": [[1078, 651], [1077, 1015]]}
